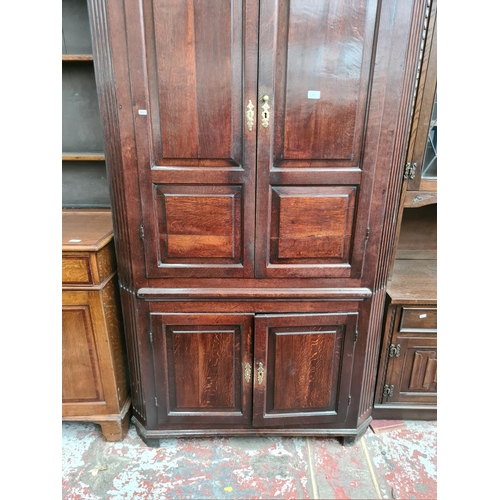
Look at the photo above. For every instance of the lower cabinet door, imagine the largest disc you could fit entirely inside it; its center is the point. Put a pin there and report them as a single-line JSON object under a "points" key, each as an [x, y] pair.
{"points": [[302, 368], [412, 375], [202, 365]]}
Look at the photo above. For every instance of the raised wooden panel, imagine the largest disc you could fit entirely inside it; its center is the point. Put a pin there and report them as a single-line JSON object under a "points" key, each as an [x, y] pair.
{"points": [[305, 362], [423, 375], [81, 377], [199, 367], [324, 64], [195, 56], [312, 225], [198, 225]]}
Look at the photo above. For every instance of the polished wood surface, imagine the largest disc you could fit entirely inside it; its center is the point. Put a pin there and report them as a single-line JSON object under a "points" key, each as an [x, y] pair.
{"points": [[86, 229], [414, 282], [305, 362], [95, 385], [88, 256], [83, 157], [220, 221], [199, 365]]}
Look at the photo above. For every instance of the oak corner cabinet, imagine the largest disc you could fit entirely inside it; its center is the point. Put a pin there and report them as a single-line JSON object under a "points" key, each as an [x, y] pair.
{"points": [[255, 152], [95, 386]]}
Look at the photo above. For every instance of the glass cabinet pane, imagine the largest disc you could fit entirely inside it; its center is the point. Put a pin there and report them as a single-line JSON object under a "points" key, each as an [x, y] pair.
{"points": [[429, 165]]}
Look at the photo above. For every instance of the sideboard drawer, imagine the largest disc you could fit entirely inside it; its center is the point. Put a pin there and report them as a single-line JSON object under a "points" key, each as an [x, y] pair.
{"points": [[417, 318], [76, 269]]}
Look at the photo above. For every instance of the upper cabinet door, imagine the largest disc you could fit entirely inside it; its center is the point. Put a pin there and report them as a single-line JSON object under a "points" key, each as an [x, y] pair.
{"points": [[259, 128], [315, 66], [193, 70]]}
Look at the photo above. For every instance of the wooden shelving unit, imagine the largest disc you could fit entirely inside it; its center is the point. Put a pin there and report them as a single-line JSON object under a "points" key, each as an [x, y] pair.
{"points": [[407, 375], [84, 182]]}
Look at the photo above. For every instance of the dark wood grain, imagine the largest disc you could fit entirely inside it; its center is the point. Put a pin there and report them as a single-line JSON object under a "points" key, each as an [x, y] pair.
{"points": [[414, 282], [199, 363], [306, 361], [335, 61], [312, 204]]}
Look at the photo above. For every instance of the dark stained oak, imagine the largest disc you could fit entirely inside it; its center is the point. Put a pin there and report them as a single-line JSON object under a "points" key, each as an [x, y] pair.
{"points": [[254, 148], [199, 364], [305, 361]]}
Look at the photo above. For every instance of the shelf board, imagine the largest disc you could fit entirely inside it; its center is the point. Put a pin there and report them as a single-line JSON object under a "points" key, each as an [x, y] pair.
{"points": [[417, 199], [83, 157], [76, 57], [413, 282]]}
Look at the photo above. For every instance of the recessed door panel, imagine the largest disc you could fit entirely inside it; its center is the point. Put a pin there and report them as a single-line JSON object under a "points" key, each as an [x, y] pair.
{"points": [[302, 368], [315, 69], [326, 63], [193, 70], [199, 363], [196, 50]]}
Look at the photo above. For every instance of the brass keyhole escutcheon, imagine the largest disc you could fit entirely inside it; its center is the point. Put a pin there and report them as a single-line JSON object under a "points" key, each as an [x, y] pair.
{"points": [[260, 373], [248, 373], [265, 112]]}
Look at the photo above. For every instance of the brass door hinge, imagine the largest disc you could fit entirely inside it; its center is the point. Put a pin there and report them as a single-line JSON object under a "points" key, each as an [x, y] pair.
{"points": [[410, 169], [394, 350], [388, 391]]}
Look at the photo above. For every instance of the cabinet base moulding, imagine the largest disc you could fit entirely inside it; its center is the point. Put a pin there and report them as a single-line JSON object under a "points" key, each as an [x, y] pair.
{"points": [[152, 437]]}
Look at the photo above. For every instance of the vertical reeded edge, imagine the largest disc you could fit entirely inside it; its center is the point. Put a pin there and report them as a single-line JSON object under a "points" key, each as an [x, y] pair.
{"points": [[105, 80], [393, 192]]}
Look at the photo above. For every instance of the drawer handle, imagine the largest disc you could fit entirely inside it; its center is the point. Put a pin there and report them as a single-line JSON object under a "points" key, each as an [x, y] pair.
{"points": [[260, 373], [248, 372], [423, 316]]}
